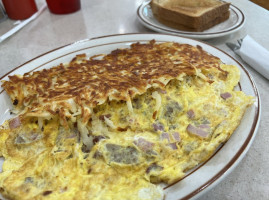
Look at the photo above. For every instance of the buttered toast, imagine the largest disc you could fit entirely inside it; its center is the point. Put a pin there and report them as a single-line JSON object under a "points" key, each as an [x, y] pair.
{"points": [[190, 15]]}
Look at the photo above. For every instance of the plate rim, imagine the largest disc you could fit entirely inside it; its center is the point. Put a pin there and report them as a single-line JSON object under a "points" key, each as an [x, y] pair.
{"points": [[200, 35], [236, 158]]}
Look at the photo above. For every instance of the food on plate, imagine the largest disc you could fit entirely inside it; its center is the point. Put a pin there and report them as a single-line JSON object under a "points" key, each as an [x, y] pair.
{"points": [[190, 15], [114, 126]]}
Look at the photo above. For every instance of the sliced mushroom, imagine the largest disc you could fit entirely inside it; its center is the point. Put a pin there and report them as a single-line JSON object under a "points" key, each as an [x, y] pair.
{"points": [[121, 154]]}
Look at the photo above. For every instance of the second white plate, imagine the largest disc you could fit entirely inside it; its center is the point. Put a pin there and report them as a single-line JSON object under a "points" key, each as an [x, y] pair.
{"points": [[235, 22]]}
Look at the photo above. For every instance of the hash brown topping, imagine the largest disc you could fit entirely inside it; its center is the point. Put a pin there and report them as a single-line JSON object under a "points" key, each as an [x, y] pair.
{"points": [[120, 75]]}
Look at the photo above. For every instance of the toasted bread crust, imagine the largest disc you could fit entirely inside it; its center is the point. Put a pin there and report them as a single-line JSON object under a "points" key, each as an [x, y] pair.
{"points": [[189, 18], [210, 24]]}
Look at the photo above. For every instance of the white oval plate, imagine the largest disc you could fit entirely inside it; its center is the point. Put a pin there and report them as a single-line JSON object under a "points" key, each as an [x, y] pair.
{"points": [[235, 22], [208, 174]]}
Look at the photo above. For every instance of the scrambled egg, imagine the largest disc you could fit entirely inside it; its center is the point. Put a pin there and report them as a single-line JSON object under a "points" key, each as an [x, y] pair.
{"points": [[156, 137]]}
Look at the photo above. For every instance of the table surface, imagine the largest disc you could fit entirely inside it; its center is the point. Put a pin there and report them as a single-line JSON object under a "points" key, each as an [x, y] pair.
{"points": [[250, 179]]}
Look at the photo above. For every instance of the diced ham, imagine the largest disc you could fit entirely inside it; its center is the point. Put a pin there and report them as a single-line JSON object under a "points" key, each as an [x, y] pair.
{"points": [[204, 126], [165, 136], [176, 136], [172, 145], [226, 95], [14, 123], [201, 130], [191, 114], [158, 127], [143, 144]]}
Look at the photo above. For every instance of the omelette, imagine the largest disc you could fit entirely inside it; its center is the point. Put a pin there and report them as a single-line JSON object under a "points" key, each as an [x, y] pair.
{"points": [[115, 126]]}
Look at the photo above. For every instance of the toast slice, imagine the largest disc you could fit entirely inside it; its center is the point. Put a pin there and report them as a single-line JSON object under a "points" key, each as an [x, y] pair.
{"points": [[190, 15]]}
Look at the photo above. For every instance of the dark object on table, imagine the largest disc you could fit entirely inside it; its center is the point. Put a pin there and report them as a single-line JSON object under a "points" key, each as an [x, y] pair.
{"points": [[20, 9], [63, 6], [262, 3]]}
